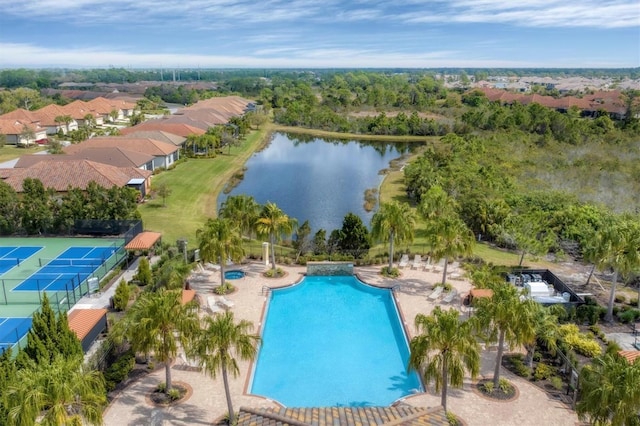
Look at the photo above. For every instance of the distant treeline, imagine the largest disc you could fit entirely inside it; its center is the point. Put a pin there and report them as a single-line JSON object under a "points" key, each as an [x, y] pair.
{"points": [[48, 78]]}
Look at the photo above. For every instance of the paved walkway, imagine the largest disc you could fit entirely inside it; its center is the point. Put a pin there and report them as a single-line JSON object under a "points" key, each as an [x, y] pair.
{"points": [[207, 402]]}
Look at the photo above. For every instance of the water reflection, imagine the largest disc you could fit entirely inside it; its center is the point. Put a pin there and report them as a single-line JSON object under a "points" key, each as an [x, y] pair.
{"points": [[315, 179]]}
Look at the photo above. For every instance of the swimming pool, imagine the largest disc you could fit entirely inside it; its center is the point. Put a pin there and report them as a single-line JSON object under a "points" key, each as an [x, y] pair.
{"points": [[233, 274], [333, 341]]}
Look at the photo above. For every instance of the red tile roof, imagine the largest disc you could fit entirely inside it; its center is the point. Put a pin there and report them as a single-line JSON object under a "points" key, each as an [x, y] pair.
{"points": [[630, 356], [20, 114], [144, 145], [47, 115], [143, 241], [82, 321], [159, 135], [15, 126], [179, 129], [60, 175], [112, 156]]}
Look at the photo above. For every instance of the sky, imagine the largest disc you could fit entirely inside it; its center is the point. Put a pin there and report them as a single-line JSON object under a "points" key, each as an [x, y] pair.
{"points": [[320, 33]]}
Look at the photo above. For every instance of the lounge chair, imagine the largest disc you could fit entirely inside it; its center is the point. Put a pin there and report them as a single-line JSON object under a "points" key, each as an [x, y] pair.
{"points": [[404, 261], [203, 271], [436, 293], [227, 304], [212, 305], [212, 267], [448, 298], [439, 266], [417, 262]]}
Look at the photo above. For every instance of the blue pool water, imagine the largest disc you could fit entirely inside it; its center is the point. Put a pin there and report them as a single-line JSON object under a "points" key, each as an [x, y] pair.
{"points": [[333, 341], [233, 275]]}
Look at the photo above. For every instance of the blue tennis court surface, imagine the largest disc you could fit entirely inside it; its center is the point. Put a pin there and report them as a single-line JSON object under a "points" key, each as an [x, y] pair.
{"points": [[12, 256], [68, 270], [12, 330]]}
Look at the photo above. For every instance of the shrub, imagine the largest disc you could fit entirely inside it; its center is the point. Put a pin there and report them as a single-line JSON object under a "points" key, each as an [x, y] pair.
{"points": [[613, 347], [589, 313], [504, 385], [488, 387], [537, 356], [162, 387], [144, 272], [620, 298], [174, 394], [543, 372], [121, 296], [271, 273], [556, 382], [581, 343], [633, 301], [119, 370], [451, 418], [519, 367], [393, 272], [628, 316]]}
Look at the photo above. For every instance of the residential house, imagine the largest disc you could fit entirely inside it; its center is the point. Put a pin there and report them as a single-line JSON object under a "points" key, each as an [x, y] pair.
{"points": [[164, 154], [113, 156], [179, 129], [20, 133], [55, 119], [160, 135], [62, 175], [112, 108], [79, 110]]}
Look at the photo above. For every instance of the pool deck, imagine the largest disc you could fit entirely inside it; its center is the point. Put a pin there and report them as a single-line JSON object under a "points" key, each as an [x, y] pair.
{"points": [[207, 402]]}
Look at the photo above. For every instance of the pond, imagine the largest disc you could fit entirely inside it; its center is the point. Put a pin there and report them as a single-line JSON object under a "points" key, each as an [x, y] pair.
{"points": [[315, 179]]}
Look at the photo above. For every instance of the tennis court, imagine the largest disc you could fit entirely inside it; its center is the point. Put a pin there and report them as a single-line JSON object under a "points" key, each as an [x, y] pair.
{"points": [[67, 271], [11, 256], [12, 330]]}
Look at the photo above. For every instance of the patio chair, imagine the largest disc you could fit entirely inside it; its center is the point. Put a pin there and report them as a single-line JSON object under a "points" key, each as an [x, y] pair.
{"points": [[448, 298], [436, 293], [417, 262], [212, 305], [227, 304], [404, 261]]}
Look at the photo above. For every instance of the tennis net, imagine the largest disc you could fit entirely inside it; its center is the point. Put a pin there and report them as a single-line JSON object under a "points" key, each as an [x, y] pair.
{"points": [[70, 262], [9, 261]]}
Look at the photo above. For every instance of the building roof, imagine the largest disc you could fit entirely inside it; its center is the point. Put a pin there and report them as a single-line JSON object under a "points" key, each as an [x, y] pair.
{"points": [[401, 415], [188, 296], [82, 321], [481, 293], [179, 129], [20, 114], [79, 109], [60, 175], [15, 126], [201, 122], [630, 356], [114, 156], [159, 135], [143, 145], [105, 106], [143, 241], [47, 115]]}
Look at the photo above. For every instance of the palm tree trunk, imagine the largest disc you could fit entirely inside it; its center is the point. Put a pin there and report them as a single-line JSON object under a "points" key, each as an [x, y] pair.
{"points": [[593, 268], [272, 240], [612, 297], [222, 262], [530, 351], [390, 251], [445, 372], [496, 372], [167, 375], [444, 273], [227, 393]]}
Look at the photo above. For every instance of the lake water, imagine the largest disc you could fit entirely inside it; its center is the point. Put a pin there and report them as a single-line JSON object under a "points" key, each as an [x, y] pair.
{"points": [[317, 180]]}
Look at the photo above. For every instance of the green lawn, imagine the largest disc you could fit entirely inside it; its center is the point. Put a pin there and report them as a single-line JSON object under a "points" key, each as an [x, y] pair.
{"points": [[10, 152], [195, 186]]}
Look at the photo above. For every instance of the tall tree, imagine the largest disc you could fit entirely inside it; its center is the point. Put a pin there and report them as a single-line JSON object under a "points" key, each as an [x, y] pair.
{"points": [[9, 209], [163, 191], [444, 349], [58, 393], [218, 241], [617, 248], [37, 215], [49, 337], [275, 224], [242, 210], [354, 236], [301, 243], [220, 341], [609, 391], [154, 323], [506, 316], [451, 239], [394, 221], [530, 233]]}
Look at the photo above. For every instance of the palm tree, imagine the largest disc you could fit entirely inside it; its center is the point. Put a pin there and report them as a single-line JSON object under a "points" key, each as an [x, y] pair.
{"points": [[219, 343], [546, 330], [243, 210], [450, 238], [58, 393], [618, 249], [507, 316], [273, 222], [609, 391], [64, 119], [444, 349], [155, 320], [219, 241], [394, 221]]}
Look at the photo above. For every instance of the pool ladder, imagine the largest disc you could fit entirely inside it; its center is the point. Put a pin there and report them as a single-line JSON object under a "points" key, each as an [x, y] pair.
{"points": [[265, 290]]}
